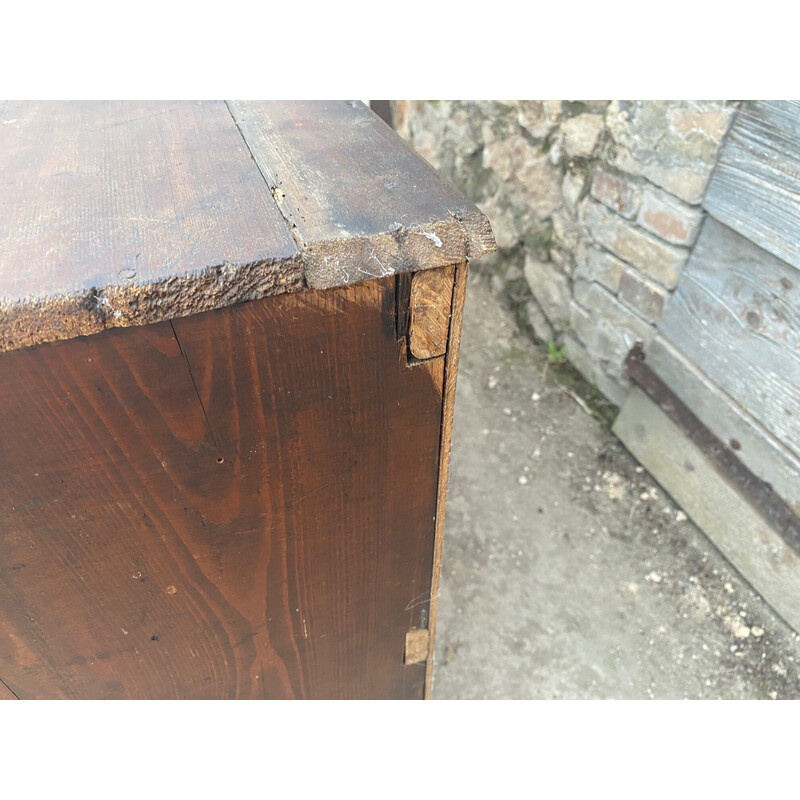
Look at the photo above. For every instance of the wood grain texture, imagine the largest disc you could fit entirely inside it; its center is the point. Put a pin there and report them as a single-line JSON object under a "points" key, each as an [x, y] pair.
{"points": [[226, 506], [448, 408], [755, 447], [736, 315], [756, 550], [755, 188], [125, 213], [430, 304], [6, 693], [361, 204]]}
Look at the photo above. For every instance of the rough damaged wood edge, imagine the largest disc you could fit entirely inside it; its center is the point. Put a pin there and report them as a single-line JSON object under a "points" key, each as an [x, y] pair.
{"points": [[417, 644], [466, 233], [430, 305], [741, 534], [41, 320], [462, 233], [340, 262], [448, 406]]}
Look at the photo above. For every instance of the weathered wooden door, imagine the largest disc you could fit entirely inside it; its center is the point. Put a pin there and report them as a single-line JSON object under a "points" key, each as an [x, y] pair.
{"points": [[717, 415]]}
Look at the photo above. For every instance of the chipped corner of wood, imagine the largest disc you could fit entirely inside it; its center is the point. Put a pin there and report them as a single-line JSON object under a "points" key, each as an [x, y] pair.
{"points": [[417, 646], [478, 234]]}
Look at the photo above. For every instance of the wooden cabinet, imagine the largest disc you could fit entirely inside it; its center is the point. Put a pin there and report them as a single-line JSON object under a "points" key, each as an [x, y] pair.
{"points": [[230, 341]]}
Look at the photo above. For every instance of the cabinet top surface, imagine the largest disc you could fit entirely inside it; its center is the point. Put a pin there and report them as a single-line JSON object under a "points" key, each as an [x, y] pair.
{"points": [[126, 213]]}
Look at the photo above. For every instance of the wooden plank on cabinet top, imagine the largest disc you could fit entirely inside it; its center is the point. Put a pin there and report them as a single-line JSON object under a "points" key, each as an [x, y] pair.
{"points": [[122, 213], [126, 213], [755, 188], [361, 203]]}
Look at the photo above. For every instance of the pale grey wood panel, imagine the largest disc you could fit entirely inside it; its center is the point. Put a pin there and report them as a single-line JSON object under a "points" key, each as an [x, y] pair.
{"points": [[736, 315], [755, 447], [756, 550], [755, 188], [360, 202], [121, 213]]}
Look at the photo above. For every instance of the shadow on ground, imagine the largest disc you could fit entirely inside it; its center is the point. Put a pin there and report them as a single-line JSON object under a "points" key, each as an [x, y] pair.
{"points": [[567, 572]]}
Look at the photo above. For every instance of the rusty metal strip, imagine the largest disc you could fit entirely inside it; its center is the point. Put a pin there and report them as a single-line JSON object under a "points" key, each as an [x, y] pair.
{"points": [[757, 491]]}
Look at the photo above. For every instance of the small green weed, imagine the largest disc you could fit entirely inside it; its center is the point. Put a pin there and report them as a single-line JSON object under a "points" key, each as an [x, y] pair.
{"points": [[555, 354]]}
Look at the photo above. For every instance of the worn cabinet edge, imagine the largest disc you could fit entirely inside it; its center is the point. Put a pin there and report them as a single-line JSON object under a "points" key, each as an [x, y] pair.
{"points": [[449, 231], [448, 407], [355, 219]]}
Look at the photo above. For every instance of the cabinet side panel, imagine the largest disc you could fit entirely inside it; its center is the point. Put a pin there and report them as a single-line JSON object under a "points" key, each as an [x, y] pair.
{"points": [[238, 504]]}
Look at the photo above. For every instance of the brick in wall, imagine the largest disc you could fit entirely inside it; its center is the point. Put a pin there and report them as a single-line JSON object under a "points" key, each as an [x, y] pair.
{"points": [[598, 265], [615, 388], [580, 322], [661, 261], [618, 192], [671, 143], [550, 288], [602, 305], [669, 218], [643, 295]]}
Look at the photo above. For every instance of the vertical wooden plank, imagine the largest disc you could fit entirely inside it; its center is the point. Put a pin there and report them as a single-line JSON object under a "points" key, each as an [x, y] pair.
{"points": [[736, 315], [448, 406], [755, 187], [430, 307]]}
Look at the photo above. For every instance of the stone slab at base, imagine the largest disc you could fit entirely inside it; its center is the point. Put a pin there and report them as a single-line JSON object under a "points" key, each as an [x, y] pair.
{"points": [[752, 546]]}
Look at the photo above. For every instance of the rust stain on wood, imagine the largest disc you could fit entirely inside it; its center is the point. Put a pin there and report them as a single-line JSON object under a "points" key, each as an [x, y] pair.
{"points": [[760, 493], [430, 306]]}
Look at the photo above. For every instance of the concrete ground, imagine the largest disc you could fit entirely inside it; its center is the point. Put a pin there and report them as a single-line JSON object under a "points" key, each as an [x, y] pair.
{"points": [[567, 572]]}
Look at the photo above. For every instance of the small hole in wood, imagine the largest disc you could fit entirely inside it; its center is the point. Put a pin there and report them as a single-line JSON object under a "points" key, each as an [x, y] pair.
{"points": [[735, 444], [220, 460]]}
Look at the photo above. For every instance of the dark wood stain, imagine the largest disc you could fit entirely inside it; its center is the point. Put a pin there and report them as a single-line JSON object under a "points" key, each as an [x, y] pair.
{"points": [[236, 504]]}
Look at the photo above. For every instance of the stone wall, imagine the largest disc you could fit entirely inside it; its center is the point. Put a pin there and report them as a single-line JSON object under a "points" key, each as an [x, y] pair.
{"points": [[594, 204]]}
